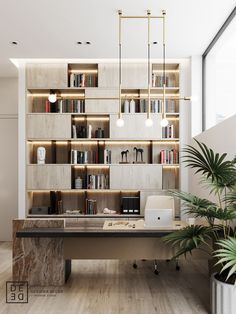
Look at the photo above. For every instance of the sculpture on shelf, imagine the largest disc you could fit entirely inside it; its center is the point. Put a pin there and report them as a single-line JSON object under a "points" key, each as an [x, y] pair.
{"points": [[139, 151], [109, 211], [124, 153], [41, 155]]}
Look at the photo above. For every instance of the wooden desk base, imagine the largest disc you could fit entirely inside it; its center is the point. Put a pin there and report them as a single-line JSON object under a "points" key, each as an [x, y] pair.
{"points": [[116, 248]]}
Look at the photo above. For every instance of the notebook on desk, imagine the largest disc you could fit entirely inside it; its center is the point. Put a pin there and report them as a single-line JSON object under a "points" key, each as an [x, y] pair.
{"points": [[158, 218]]}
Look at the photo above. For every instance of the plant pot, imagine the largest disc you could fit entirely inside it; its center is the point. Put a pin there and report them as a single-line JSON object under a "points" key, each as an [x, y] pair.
{"points": [[223, 297]]}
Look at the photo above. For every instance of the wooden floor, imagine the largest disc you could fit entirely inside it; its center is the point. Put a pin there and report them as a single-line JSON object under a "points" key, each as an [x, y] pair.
{"points": [[112, 287]]}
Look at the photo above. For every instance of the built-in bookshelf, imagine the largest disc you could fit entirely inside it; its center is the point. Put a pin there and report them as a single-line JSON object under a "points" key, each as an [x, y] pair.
{"points": [[90, 163], [82, 75]]}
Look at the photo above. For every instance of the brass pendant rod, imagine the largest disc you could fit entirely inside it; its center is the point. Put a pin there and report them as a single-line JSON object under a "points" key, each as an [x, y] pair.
{"points": [[120, 73], [149, 73], [164, 67]]}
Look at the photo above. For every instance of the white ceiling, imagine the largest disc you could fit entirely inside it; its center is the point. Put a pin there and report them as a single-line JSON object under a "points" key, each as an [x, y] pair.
{"points": [[51, 28]]}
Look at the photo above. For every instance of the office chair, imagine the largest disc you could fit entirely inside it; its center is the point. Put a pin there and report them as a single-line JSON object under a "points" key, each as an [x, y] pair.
{"points": [[160, 202]]}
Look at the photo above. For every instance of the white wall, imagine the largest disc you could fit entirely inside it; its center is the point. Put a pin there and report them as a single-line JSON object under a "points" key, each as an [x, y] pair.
{"points": [[8, 155], [196, 95], [221, 138]]}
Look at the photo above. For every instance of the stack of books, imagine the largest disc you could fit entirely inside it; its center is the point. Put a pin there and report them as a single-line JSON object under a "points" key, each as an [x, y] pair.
{"points": [[66, 105], [83, 80], [107, 156], [168, 131], [90, 207], [156, 105], [81, 131], [84, 157], [97, 181], [169, 156], [158, 80]]}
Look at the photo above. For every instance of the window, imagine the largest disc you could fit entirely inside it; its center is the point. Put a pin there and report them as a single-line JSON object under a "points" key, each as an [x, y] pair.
{"points": [[220, 77]]}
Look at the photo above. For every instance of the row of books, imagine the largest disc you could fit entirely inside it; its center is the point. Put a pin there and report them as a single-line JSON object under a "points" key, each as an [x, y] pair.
{"points": [[168, 131], [84, 157], [81, 131], [83, 80], [107, 156], [169, 156], [158, 80], [90, 207], [98, 181], [65, 105], [156, 105]]}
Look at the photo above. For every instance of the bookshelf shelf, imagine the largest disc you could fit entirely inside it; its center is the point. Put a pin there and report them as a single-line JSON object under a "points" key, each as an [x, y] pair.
{"points": [[83, 143]]}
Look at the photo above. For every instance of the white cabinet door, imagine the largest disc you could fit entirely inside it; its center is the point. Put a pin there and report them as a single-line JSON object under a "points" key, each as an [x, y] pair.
{"points": [[108, 75], [135, 128], [134, 75], [140, 177], [106, 101], [46, 75], [48, 126], [48, 177]]}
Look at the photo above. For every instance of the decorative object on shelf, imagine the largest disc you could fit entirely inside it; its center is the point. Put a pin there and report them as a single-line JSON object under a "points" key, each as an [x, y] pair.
{"points": [[109, 211], [99, 133], [217, 238], [41, 155], [52, 96], [138, 152], [78, 183], [89, 131], [74, 212], [126, 106], [124, 153], [132, 106], [56, 206], [43, 210]]}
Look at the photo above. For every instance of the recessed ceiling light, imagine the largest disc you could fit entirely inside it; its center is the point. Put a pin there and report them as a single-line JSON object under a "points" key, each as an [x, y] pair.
{"points": [[88, 42], [155, 43], [79, 42], [14, 43]]}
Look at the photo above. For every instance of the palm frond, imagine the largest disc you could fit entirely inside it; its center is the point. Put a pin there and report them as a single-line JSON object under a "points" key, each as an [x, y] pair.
{"points": [[210, 164], [227, 255], [189, 238], [230, 198]]}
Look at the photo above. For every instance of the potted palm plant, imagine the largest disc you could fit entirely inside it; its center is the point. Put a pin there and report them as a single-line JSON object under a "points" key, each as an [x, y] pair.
{"points": [[215, 235]]}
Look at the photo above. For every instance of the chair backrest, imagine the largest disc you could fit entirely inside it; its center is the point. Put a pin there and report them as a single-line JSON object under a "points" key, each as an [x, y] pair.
{"points": [[160, 202]]}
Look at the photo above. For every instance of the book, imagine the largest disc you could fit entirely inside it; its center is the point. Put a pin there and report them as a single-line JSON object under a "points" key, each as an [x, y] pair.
{"points": [[169, 156]]}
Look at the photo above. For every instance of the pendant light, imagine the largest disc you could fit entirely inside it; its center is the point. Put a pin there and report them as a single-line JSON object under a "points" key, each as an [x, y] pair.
{"points": [[164, 121], [149, 121], [52, 96], [120, 121]]}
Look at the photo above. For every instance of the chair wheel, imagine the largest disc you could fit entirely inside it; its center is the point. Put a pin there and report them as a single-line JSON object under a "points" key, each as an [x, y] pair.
{"points": [[177, 267], [135, 265], [156, 272]]}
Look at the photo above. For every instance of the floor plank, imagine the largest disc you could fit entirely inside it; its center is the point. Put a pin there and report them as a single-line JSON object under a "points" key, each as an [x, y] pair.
{"points": [[114, 287]]}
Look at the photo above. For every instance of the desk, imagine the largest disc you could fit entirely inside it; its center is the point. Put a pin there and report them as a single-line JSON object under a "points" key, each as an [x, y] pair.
{"points": [[86, 241]]}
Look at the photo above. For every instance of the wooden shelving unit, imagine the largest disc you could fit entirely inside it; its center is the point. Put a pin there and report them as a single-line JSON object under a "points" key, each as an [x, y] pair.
{"points": [[83, 119]]}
